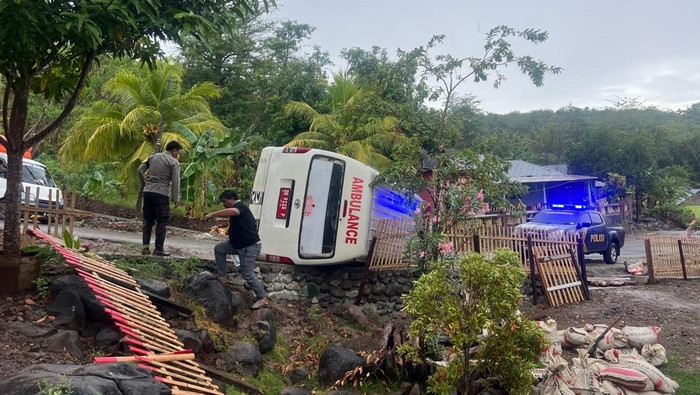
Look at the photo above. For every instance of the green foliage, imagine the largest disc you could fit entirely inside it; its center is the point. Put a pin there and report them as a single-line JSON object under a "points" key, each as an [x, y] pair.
{"points": [[49, 48], [98, 185], [59, 387], [615, 188], [209, 160], [185, 268], [672, 213], [42, 286], [125, 125], [71, 242], [477, 304], [355, 126], [146, 267]]}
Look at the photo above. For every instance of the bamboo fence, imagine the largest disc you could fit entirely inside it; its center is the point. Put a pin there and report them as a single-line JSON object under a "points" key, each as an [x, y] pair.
{"points": [[154, 343], [672, 257]]}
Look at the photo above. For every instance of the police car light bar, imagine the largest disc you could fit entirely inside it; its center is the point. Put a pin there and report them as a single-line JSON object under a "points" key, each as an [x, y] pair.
{"points": [[570, 206]]}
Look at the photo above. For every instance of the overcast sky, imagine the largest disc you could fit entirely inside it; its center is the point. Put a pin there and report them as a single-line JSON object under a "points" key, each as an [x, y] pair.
{"points": [[607, 49]]}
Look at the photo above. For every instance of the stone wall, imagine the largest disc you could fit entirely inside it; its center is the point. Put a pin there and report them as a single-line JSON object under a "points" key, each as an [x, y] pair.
{"points": [[331, 286]]}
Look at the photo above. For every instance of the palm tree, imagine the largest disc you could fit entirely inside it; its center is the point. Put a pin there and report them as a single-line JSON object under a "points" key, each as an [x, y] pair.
{"points": [[353, 127], [124, 126]]}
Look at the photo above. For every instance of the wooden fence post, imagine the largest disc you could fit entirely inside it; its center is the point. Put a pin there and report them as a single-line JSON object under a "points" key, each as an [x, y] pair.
{"points": [[582, 260], [650, 263], [365, 273], [680, 249], [574, 258], [533, 278]]}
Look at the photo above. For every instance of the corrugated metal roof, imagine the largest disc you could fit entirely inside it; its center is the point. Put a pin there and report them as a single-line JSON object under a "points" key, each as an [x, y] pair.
{"points": [[526, 172]]}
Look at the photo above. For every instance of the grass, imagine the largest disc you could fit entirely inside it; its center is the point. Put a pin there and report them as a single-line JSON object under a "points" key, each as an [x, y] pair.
{"points": [[695, 210], [688, 381]]}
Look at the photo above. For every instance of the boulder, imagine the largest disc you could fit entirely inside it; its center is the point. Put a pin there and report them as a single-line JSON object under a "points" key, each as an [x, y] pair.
{"points": [[104, 379], [295, 391], [107, 340], [335, 361], [154, 286], [351, 313], [65, 341], [93, 308], [69, 310], [265, 334], [190, 340], [214, 296], [208, 345], [30, 330], [262, 315], [299, 373], [244, 357]]}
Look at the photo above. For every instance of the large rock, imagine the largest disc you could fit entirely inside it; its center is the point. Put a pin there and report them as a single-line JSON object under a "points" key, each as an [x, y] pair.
{"points": [[295, 391], [69, 310], [335, 361], [245, 358], [214, 296], [103, 379], [65, 341], [107, 340], [93, 308], [154, 286], [190, 340], [351, 313], [30, 330], [265, 334], [299, 373]]}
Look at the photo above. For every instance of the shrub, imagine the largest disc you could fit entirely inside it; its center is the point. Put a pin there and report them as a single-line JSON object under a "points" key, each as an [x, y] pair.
{"points": [[476, 304]]}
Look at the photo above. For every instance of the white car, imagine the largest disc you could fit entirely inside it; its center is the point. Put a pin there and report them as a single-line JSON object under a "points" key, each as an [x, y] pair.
{"points": [[37, 177]]}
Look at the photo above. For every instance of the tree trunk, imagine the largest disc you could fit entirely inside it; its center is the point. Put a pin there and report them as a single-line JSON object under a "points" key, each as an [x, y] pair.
{"points": [[15, 149]]}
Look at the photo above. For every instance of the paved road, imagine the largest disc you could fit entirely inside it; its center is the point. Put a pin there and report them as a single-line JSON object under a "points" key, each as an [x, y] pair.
{"points": [[202, 244], [195, 244]]}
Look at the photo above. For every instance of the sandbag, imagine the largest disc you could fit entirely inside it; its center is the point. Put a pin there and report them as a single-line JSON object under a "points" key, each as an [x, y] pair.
{"points": [[655, 354], [553, 386], [548, 325], [661, 383], [574, 337], [556, 337], [615, 338], [638, 336], [585, 372], [627, 378]]}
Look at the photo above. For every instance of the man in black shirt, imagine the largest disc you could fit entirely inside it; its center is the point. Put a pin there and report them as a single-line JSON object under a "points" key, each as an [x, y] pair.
{"points": [[243, 240]]}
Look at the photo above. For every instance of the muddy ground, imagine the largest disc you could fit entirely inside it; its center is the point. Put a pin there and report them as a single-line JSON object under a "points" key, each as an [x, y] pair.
{"points": [[673, 305]]}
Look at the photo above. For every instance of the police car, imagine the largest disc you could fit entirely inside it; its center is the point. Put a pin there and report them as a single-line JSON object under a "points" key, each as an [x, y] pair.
{"points": [[590, 224]]}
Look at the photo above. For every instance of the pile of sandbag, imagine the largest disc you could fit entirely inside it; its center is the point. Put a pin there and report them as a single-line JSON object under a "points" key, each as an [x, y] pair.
{"points": [[618, 366], [637, 268]]}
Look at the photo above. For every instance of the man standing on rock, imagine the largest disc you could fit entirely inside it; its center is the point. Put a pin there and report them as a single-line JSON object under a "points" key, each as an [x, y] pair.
{"points": [[243, 240], [159, 173]]}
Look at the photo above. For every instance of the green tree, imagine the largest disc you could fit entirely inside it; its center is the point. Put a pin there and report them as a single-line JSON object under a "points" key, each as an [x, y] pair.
{"points": [[208, 159], [49, 47], [479, 296], [125, 126], [355, 125], [451, 72], [260, 67]]}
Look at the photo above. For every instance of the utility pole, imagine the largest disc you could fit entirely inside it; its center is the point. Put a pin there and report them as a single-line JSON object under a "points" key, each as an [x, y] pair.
{"points": [[159, 141]]}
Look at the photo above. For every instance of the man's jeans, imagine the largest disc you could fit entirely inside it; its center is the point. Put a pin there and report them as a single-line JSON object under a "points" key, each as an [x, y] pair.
{"points": [[156, 211], [247, 255]]}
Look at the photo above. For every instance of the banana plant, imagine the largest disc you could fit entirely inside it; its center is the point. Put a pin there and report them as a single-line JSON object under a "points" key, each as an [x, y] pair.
{"points": [[207, 158]]}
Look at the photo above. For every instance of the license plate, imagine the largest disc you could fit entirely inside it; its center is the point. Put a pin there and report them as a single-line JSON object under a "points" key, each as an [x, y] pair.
{"points": [[283, 203]]}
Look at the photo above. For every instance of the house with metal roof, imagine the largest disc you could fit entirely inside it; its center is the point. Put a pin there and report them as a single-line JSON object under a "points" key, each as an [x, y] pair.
{"points": [[547, 186]]}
